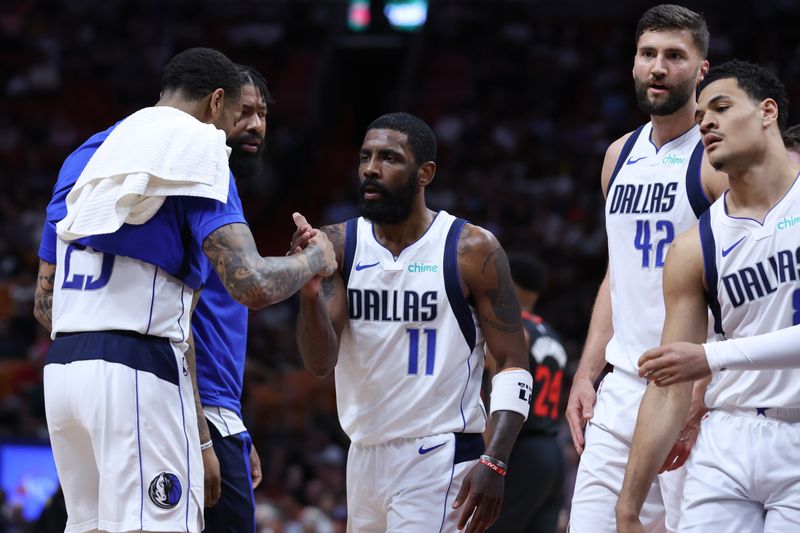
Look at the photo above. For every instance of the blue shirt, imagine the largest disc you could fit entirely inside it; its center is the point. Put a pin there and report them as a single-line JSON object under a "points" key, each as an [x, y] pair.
{"points": [[219, 324], [172, 239]]}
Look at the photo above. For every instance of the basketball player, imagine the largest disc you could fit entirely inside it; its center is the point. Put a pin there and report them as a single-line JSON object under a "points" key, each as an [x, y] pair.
{"points": [[403, 322], [126, 436], [740, 259], [684, 361], [219, 325], [533, 507], [656, 181]]}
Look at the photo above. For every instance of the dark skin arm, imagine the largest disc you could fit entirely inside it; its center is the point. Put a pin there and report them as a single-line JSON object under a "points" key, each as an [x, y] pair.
{"points": [[211, 470], [486, 281], [257, 281], [43, 300], [323, 311]]}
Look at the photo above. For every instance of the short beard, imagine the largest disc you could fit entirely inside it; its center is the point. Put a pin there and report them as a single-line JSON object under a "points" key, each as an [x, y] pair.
{"points": [[244, 165], [394, 207], [676, 99]]}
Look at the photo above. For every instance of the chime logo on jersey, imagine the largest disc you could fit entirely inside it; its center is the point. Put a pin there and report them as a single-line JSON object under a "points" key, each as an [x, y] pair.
{"points": [[642, 199], [421, 267], [763, 278], [788, 222], [392, 306], [165, 490], [672, 159]]}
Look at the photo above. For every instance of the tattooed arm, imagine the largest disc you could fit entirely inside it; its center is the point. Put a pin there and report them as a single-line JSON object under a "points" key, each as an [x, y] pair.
{"points": [[486, 280], [323, 313], [257, 281], [43, 301]]}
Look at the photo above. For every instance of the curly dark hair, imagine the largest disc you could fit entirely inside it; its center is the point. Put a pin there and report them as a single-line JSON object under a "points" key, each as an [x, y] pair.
{"points": [[674, 17], [197, 72], [758, 82], [420, 136], [791, 137], [253, 77]]}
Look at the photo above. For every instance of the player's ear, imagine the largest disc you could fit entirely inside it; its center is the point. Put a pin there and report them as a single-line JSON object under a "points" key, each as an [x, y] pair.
{"points": [[425, 173], [216, 102], [769, 112], [704, 66]]}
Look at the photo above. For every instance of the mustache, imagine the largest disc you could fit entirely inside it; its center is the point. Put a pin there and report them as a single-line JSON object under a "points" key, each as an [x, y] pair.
{"points": [[374, 184]]}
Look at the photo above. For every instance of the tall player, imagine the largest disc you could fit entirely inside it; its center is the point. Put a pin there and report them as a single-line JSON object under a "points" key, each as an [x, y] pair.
{"points": [[403, 322], [657, 182], [534, 507], [219, 324], [741, 260], [126, 435]]}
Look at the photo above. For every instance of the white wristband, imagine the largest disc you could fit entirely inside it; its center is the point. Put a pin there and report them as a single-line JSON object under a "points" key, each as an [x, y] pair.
{"points": [[511, 391], [206, 445]]}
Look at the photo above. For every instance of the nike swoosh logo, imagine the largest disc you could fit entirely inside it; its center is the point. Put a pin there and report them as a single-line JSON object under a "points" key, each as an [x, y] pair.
{"points": [[734, 245], [423, 451], [632, 161], [359, 266]]}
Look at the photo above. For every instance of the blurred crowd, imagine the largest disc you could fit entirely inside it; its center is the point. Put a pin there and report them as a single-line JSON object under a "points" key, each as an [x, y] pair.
{"points": [[524, 98]]}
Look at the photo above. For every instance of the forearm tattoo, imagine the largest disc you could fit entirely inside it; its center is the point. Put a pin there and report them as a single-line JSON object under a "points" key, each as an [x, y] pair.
{"points": [[43, 301], [256, 280], [503, 298]]}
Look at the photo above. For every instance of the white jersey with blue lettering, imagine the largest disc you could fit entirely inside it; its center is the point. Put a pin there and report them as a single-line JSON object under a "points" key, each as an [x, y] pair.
{"points": [[96, 291], [653, 196], [753, 277], [411, 355]]}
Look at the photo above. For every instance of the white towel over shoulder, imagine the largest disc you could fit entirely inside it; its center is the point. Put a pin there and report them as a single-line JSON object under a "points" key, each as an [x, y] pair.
{"points": [[154, 153]]}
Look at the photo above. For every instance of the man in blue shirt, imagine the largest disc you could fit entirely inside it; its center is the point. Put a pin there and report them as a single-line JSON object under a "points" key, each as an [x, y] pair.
{"points": [[219, 324], [118, 377]]}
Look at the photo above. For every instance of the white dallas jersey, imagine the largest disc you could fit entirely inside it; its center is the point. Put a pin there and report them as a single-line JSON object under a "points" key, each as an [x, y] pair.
{"points": [[653, 196], [411, 355], [96, 291], [753, 276]]}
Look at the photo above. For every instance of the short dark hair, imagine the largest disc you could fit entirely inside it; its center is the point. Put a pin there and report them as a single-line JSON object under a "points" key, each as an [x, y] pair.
{"points": [[758, 82], [253, 77], [197, 72], [528, 272], [791, 137], [674, 17], [421, 138]]}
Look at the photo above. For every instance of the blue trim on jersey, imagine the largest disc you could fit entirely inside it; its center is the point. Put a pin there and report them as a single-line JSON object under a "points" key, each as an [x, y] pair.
{"points": [[350, 241], [153, 301], [139, 352], [623, 155], [452, 285], [139, 455], [694, 182], [709, 248]]}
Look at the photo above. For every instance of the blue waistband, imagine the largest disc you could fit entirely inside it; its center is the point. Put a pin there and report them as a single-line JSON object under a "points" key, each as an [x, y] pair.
{"points": [[469, 447], [140, 352]]}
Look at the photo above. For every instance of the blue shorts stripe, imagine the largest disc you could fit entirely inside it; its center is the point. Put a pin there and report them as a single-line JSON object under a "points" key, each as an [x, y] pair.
{"points": [[139, 352]]}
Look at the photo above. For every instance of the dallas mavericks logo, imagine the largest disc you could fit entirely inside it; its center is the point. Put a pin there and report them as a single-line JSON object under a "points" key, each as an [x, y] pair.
{"points": [[165, 490]]}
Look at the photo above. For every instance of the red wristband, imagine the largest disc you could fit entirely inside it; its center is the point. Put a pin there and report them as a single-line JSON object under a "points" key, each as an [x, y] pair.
{"points": [[499, 470]]}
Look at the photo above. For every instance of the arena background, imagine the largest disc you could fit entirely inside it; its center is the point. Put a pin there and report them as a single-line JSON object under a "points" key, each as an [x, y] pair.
{"points": [[524, 97]]}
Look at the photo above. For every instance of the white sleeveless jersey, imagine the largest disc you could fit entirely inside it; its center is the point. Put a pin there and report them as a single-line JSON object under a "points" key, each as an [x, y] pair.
{"points": [[411, 355], [753, 276], [653, 196], [96, 291]]}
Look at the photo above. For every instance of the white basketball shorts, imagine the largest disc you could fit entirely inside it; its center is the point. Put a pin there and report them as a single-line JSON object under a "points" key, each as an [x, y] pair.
{"points": [[409, 485], [605, 456], [123, 427], [743, 475]]}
